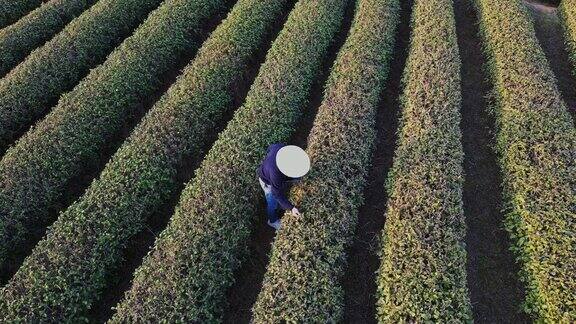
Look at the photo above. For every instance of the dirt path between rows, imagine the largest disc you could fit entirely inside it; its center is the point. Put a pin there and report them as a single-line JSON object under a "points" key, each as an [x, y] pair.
{"points": [[359, 281], [244, 292], [495, 292], [550, 34]]}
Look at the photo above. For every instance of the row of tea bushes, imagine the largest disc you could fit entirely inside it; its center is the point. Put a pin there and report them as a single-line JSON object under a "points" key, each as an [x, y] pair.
{"points": [[12, 10], [20, 38], [302, 282], [30, 90], [90, 237], [567, 12], [36, 171], [536, 141], [422, 276], [186, 275]]}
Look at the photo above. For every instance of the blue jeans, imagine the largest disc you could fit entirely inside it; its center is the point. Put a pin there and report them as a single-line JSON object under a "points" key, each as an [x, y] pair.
{"points": [[271, 202]]}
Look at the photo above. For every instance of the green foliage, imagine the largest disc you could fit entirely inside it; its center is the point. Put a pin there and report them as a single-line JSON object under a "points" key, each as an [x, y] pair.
{"points": [[89, 237], [567, 12], [186, 275], [30, 89], [19, 39], [35, 172], [302, 283], [536, 144], [12, 10], [422, 276]]}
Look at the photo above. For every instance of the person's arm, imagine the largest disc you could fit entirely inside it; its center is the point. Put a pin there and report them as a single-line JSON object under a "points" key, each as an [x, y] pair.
{"points": [[280, 195]]}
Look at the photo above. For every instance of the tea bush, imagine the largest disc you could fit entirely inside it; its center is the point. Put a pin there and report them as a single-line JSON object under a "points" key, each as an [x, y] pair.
{"points": [[35, 172], [537, 152], [19, 39], [186, 275], [302, 282], [422, 275]]}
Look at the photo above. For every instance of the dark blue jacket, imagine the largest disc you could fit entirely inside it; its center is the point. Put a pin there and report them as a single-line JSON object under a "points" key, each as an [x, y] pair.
{"points": [[271, 175]]}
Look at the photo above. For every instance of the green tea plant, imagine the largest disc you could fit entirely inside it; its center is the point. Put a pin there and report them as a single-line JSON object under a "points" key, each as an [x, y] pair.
{"points": [[90, 236], [567, 12], [35, 172], [186, 275], [11, 10], [536, 142], [29, 90], [19, 39], [422, 275], [302, 282]]}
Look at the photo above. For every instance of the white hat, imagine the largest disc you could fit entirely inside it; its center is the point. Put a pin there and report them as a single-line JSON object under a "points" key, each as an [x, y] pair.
{"points": [[293, 161]]}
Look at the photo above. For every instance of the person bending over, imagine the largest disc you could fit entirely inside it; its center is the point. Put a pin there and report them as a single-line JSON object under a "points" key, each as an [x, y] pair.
{"points": [[282, 166]]}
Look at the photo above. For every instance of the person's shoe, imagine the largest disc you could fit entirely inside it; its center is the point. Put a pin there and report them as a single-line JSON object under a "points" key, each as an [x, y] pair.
{"points": [[276, 225]]}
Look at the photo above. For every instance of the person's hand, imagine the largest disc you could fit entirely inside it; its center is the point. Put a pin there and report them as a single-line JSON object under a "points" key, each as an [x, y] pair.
{"points": [[296, 212]]}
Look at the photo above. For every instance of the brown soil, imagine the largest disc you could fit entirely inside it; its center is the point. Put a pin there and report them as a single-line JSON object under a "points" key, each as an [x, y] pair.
{"points": [[550, 34], [243, 293], [359, 281], [495, 292]]}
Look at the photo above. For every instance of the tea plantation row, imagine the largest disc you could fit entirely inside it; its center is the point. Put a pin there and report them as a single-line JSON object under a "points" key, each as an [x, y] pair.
{"points": [[47, 53]]}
